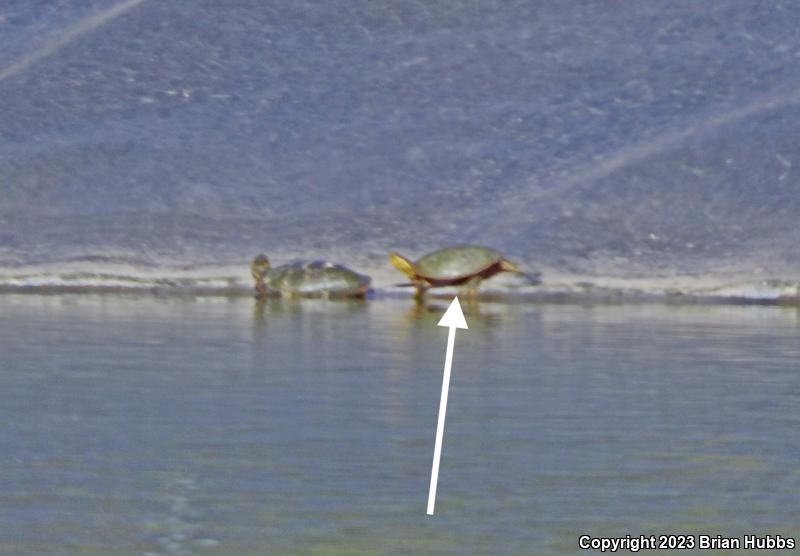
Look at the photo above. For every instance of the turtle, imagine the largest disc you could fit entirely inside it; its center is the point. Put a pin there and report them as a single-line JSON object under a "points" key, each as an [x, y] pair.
{"points": [[307, 279], [465, 265]]}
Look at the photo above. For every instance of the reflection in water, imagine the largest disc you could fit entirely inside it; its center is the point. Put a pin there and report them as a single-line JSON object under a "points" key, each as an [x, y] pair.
{"points": [[264, 307], [477, 311], [226, 426]]}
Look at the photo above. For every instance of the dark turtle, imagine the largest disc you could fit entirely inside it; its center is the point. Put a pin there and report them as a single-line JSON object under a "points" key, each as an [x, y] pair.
{"points": [[307, 279], [465, 265]]}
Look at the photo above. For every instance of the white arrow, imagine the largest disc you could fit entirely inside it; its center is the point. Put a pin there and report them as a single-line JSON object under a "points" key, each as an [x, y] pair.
{"points": [[453, 318]]}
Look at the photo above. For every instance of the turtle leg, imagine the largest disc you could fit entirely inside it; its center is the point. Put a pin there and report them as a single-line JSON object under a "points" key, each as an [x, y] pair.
{"points": [[419, 292], [470, 288]]}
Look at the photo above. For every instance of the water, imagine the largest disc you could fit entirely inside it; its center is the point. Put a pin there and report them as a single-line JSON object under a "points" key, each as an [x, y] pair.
{"points": [[142, 138], [637, 155], [139, 425]]}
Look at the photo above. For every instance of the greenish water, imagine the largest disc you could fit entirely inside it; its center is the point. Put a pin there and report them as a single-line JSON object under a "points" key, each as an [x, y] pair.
{"points": [[139, 425]]}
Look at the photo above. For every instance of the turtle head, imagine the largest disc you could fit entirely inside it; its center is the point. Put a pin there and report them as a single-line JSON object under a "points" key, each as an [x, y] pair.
{"points": [[403, 265], [259, 267]]}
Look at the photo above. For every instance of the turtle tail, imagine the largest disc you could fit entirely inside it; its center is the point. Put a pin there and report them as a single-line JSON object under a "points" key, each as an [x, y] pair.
{"points": [[508, 266], [402, 264]]}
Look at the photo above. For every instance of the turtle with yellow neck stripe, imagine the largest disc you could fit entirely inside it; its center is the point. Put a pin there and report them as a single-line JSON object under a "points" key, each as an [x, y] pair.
{"points": [[464, 265]]}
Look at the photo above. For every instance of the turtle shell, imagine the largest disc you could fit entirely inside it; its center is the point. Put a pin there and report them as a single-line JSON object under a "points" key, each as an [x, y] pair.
{"points": [[316, 278], [455, 263]]}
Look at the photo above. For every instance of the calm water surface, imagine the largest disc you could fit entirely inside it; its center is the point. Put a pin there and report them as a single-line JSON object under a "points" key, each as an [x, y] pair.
{"points": [[167, 426]]}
